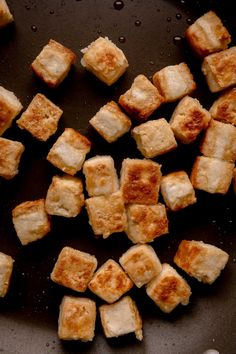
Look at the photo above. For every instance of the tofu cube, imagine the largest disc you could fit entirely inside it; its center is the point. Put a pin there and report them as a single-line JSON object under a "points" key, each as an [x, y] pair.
{"points": [[110, 282], [141, 264], [6, 267], [5, 14], [101, 177], [74, 269], [107, 214], [154, 138], [142, 99], [53, 63], [219, 69], [31, 221], [77, 319], [211, 175], [234, 180], [121, 318], [177, 190], [224, 108], [65, 196], [110, 122], [10, 155], [10, 107], [169, 289], [174, 82], [189, 119], [201, 260], [146, 222], [69, 151], [140, 181], [40, 118], [105, 60]]}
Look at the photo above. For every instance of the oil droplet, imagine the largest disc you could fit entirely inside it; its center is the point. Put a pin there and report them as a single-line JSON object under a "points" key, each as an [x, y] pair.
{"points": [[47, 344], [168, 29], [178, 16], [137, 23], [168, 19], [151, 62], [211, 351], [234, 260], [34, 28], [189, 21], [118, 5], [177, 40], [122, 39], [183, 1], [51, 12], [27, 7]]}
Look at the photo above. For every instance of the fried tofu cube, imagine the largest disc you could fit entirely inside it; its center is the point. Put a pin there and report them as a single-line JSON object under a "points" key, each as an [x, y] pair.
{"points": [[220, 70], [201, 260], [177, 190], [140, 181], [74, 269], [189, 119], [169, 289], [53, 63], [234, 180], [224, 108], [121, 318], [105, 60], [110, 282], [154, 138], [31, 221], [110, 122], [65, 196], [10, 107], [10, 155], [69, 151], [77, 319], [40, 118], [107, 214], [101, 177], [141, 264], [5, 14], [142, 99], [211, 175], [6, 267], [174, 82]]}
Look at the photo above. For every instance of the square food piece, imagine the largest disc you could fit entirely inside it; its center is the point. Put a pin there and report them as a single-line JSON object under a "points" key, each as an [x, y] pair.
{"points": [[74, 269], [10, 155], [189, 119], [5, 14], [224, 108], [211, 175], [106, 214], [174, 82], [10, 107], [6, 267], [142, 99], [101, 176], [110, 122], [201, 260], [121, 318], [140, 181], [154, 138], [53, 63], [220, 70], [105, 60], [40, 118], [69, 151], [31, 221], [65, 196], [77, 319], [177, 190], [141, 264], [110, 282], [169, 289]]}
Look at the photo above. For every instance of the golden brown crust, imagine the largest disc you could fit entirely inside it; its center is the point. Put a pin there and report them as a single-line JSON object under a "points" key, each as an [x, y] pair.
{"points": [[10, 154], [10, 107], [5, 14], [224, 108]]}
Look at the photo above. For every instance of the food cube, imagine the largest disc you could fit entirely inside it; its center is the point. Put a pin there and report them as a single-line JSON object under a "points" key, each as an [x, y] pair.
{"points": [[224, 108], [5, 14], [10, 155], [6, 267], [10, 107]]}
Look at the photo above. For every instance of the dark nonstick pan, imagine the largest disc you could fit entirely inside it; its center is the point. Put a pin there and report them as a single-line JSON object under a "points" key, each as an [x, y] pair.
{"points": [[151, 35]]}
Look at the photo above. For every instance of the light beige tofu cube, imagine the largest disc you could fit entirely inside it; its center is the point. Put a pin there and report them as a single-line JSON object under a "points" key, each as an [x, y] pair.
{"points": [[31, 221], [69, 151], [10, 107], [234, 180], [6, 267], [107, 214], [40, 118], [74, 269], [189, 119], [77, 319], [121, 318], [177, 190], [211, 175], [141, 264], [105, 60], [174, 82], [224, 108], [140, 181], [142, 99], [154, 138], [5, 14], [101, 177], [53, 63], [201, 260], [169, 289], [10, 155]]}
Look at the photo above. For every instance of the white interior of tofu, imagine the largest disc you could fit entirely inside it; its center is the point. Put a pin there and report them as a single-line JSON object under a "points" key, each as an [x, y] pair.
{"points": [[175, 82], [108, 123], [69, 155], [209, 32], [11, 100]]}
